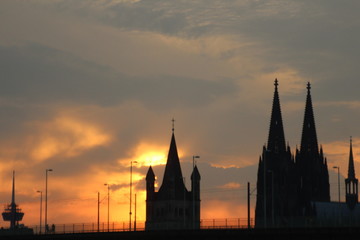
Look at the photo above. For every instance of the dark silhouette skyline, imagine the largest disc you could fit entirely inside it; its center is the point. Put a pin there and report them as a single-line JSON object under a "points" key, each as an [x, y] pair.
{"points": [[292, 188]]}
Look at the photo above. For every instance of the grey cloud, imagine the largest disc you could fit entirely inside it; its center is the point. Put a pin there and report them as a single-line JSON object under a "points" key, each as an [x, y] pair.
{"points": [[39, 74], [319, 39]]}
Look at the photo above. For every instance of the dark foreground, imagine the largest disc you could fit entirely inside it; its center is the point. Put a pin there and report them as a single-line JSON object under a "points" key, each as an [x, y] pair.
{"points": [[239, 234]]}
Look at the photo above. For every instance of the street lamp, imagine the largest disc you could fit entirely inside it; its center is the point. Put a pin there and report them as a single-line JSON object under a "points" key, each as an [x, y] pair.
{"points": [[108, 217], [135, 215], [193, 193], [46, 187], [98, 213], [194, 160], [131, 163], [40, 209], [338, 168]]}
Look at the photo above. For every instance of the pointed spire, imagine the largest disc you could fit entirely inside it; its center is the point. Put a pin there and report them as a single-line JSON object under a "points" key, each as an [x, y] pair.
{"points": [[13, 190], [351, 169], [276, 140], [172, 186], [321, 152], [172, 168], [150, 176], [195, 174], [309, 141]]}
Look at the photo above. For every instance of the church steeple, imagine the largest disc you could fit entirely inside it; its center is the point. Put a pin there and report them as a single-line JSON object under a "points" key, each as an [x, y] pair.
{"points": [[309, 141], [172, 169], [150, 184], [275, 164], [173, 183], [351, 169], [351, 183], [173, 206], [276, 140], [313, 175]]}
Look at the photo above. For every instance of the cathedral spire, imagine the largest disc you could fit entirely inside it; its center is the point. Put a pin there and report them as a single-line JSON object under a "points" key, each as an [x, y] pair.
{"points": [[13, 190], [351, 169], [276, 140], [309, 141]]}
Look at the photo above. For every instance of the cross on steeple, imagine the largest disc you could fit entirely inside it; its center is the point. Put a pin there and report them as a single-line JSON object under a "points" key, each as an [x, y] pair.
{"points": [[173, 125], [308, 86]]}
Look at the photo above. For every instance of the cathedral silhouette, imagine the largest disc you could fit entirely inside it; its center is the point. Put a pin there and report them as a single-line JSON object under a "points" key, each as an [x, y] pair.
{"points": [[295, 190]]}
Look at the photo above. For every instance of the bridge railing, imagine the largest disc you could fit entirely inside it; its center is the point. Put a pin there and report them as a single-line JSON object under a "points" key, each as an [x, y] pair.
{"points": [[224, 223]]}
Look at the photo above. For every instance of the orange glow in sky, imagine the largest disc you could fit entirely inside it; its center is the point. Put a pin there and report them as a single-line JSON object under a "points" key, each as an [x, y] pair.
{"points": [[96, 87]]}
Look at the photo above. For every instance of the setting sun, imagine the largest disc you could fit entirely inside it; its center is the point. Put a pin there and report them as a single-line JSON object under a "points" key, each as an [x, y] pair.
{"points": [[145, 154]]}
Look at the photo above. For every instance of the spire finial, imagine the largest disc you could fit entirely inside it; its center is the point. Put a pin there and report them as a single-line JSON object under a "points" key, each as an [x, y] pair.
{"points": [[173, 125], [308, 86], [276, 83], [13, 189], [351, 169]]}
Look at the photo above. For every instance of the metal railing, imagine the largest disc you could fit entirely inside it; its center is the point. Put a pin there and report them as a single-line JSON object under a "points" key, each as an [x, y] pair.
{"points": [[224, 223]]}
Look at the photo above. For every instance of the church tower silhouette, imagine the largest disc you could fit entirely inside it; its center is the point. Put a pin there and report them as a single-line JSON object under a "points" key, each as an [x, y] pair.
{"points": [[276, 189], [311, 165], [351, 182], [173, 206]]}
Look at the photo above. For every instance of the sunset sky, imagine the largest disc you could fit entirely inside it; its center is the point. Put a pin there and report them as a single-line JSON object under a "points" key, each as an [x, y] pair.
{"points": [[87, 86]]}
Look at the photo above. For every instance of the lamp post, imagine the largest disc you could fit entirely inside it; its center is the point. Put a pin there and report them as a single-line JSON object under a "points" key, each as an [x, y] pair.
{"points": [[338, 168], [135, 215], [131, 163], [98, 213], [46, 190], [193, 193], [108, 216], [248, 204], [40, 209]]}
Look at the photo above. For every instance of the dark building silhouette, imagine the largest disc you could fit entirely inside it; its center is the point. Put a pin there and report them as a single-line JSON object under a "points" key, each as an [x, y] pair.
{"points": [[335, 214], [351, 182], [173, 206], [286, 185], [12, 213], [311, 165], [276, 182]]}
